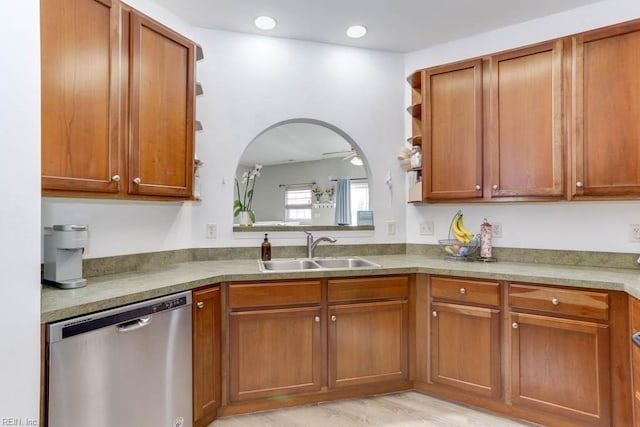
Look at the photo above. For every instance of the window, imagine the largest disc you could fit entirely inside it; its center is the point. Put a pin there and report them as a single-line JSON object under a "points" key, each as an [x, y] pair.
{"points": [[297, 203], [359, 199]]}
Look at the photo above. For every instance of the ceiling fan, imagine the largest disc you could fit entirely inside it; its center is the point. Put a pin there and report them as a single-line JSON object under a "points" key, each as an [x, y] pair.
{"points": [[350, 154]]}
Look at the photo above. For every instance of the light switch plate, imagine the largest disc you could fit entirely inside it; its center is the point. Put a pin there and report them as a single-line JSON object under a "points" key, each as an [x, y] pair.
{"points": [[212, 230], [496, 230], [391, 227]]}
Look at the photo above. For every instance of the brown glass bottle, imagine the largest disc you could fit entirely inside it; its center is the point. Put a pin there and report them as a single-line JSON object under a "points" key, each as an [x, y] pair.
{"points": [[266, 249]]}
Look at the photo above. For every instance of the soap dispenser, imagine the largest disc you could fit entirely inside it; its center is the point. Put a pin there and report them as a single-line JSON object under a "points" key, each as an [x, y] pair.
{"points": [[266, 249]]}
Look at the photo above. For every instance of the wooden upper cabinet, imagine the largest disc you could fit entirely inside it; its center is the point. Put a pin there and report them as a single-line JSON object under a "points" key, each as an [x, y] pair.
{"points": [[493, 127], [606, 110], [525, 123], [162, 110], [452, 138], [79, 106], [118, 93]]}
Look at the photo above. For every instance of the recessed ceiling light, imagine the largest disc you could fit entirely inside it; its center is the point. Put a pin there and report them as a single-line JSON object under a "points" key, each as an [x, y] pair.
{"points": [[356, 31], [265, 22]]}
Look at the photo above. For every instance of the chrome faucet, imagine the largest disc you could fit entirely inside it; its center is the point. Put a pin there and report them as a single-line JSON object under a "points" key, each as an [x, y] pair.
{"points": [[311, 244]]}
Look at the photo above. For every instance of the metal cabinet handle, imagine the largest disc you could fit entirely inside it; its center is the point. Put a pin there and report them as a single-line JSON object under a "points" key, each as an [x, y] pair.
{"points": [[137, 180], [333, 317], [478, 187], [200, 304], [463, 291], [115, 178], [514, 325], [555, 301], [579, 184], [636, 338], [495, 186], [316, 319], [434, 313]]}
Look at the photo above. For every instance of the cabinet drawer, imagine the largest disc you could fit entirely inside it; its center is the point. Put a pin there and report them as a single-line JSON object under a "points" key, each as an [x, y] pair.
{"points": [[464, 290], [594, 305], [368, 288], [243, 295]]}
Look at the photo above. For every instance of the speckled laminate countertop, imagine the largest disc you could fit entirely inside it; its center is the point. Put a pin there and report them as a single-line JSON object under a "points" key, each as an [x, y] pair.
{"points": [[118, 289]]}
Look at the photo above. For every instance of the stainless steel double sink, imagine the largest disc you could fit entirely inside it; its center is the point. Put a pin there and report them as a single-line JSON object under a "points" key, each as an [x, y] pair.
{"points": [[315, 264]]}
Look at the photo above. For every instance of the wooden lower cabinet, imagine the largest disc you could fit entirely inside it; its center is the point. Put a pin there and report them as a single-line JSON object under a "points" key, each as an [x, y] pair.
{"points": [[367, 343], [291, 342], [557, 356], [465, 348], [561, 366], [464, 337], [274, 352], [206, 355]]}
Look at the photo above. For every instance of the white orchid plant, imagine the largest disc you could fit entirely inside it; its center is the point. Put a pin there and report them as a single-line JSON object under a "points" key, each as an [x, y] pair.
{"points": [[243, 202]]}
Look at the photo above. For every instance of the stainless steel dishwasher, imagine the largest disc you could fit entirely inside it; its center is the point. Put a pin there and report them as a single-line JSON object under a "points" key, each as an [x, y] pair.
{"points": [[129, 366]]}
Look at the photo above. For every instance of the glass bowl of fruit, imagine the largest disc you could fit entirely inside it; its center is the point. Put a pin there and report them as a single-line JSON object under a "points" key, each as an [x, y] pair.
{"points": [[462, 244]]}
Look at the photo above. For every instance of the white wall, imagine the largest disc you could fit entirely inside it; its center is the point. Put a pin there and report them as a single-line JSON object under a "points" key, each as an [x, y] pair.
{"points": [[590, 226], [20, 211], [251, 82]]}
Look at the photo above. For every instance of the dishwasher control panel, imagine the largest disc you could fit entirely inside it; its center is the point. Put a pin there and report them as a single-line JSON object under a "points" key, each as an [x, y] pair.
{"points": [[167, 305]]}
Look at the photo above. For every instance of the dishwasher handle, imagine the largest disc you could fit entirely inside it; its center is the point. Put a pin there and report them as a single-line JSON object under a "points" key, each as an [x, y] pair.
{"points": [[636, 338], [132, 325]]}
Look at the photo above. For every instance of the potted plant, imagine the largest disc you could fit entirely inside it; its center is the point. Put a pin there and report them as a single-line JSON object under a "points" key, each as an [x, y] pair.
{"points": [[317, 192], [242, 205], [330, 192]]}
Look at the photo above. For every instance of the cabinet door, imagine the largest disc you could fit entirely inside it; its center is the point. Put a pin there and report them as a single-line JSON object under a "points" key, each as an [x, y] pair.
{"points": [[525, 119], [162, 110], [206, 355], [274, 352], [465, 345], [606, 102], [367, 343], [561, 366], [80, 84], [452, 139]]}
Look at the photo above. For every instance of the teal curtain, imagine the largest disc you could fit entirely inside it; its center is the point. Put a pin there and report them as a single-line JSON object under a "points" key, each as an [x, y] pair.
{"points": [[343, 202]]}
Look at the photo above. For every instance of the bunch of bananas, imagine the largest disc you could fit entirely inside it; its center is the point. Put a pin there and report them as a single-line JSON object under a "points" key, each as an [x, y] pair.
{"points": [[459, 231]]}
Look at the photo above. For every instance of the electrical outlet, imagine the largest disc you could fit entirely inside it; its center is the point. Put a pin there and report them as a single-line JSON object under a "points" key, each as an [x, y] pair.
{"points": [[391, 227], [212, 231], [496, 230], [634, 232], [426, 228]]}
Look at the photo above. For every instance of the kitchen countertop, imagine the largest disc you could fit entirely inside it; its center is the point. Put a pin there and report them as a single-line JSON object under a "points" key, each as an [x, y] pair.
{"points": [[114, 290]]}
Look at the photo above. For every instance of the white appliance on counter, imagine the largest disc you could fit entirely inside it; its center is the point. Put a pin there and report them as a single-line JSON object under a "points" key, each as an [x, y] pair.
{"points": [[128, 366], [63, 248]]}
